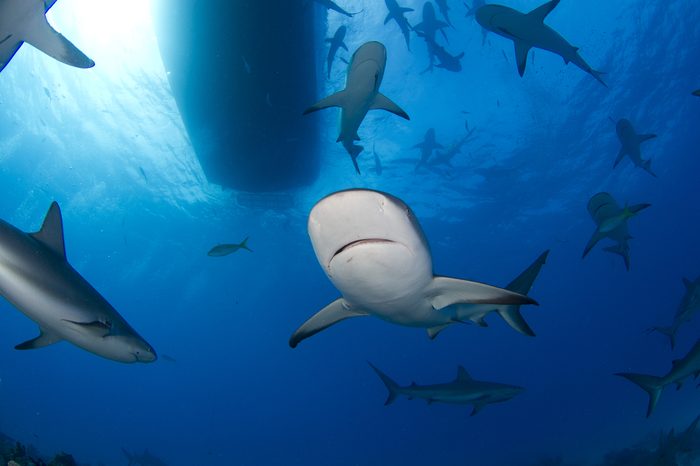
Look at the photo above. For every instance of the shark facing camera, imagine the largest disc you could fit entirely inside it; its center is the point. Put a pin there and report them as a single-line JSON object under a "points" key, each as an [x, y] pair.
{"points": [[374, 251]]}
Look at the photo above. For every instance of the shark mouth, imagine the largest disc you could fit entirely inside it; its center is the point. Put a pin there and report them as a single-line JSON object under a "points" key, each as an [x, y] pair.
{"points": [[360, 242]]}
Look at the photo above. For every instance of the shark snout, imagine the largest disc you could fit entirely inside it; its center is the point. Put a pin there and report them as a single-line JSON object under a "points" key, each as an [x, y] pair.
{"points": [[145, 354]]}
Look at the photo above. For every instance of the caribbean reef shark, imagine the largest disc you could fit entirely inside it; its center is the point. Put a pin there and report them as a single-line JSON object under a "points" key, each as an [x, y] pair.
{"points": [[527, 30], [374, 251], [611, 222], [330, 5], [37, 279], [361, 94], [690, 304], [25, 21], [630, 145], [397, 13], [681, 369], [463, 390], [427, 147]]}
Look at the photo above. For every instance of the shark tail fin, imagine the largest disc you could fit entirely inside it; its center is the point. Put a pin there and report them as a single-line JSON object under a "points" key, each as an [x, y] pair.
{"points": [[649, 383], [393, 387], [670, 332], [244, 244], [522, 284]]}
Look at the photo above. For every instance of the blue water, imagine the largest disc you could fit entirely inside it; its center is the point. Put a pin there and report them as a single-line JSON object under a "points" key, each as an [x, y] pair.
{"points": [[139, 215]]}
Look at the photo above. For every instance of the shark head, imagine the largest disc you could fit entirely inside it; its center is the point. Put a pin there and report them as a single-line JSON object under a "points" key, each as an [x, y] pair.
{"points": [[368, 63], [488, 16], [370, 241], [624, 128], [111, 339], [428, 13], [503, 392]]}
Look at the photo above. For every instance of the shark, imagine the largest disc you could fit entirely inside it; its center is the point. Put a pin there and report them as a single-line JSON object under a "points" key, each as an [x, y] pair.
{"points": [[688, 307], [611, 222], [681, 369], [397, 12], [427, 146], [445, 157], [336, 42], [372, 248], [331, 5], [37, 279], [430, 25], [630, 145], [476, 313], [444, 10], [143, 459], [446, 60], [361, 94], [463, 390], [25, 21], [226, 249], [696, 93], [527, 30]]}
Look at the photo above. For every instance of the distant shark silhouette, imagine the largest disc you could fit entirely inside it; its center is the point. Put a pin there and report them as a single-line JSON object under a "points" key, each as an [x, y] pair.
{"points": [[361, 94], [463, 390], [631, 142], [373, 250], [681, 369], [527, 30], [430, 25], [427, 146], [611, 222], [696, 93], [445, 157], [447, 61], [330, 5], [336, 42], [476, 313], [143, 459], [25, 21], [444, 10], [397, 13], [689, 306], [37, 279]]}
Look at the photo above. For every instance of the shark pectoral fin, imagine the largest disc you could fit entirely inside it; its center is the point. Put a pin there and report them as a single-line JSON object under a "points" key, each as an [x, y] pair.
{"points": [[388, 17], [521, 51], [382, 102], [541, 12], [334, 100], [44, 339], [435, 331], [38, 33], [646, 137], [597, 236], [332, 314], [343, 46], [478, 406], [51, 232], [513, 317], [445, 291], [620, 156]]}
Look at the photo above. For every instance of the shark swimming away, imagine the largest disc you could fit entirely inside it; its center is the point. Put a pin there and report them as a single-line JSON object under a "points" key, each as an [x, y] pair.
{"points": [[681, 369], [527, 30], [361, 94], [25, 21], [331, 5], [37, 279], [427, 146], [630, 145], [611, 222], [690, 304], [463, 390], [374, 252], [336, 42], [397, 12]]}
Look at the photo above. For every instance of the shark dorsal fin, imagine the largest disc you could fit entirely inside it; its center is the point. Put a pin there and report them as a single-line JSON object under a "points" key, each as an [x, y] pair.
{"points": [[462, 374], [688, 284], [541, 12], [51, 232]]}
